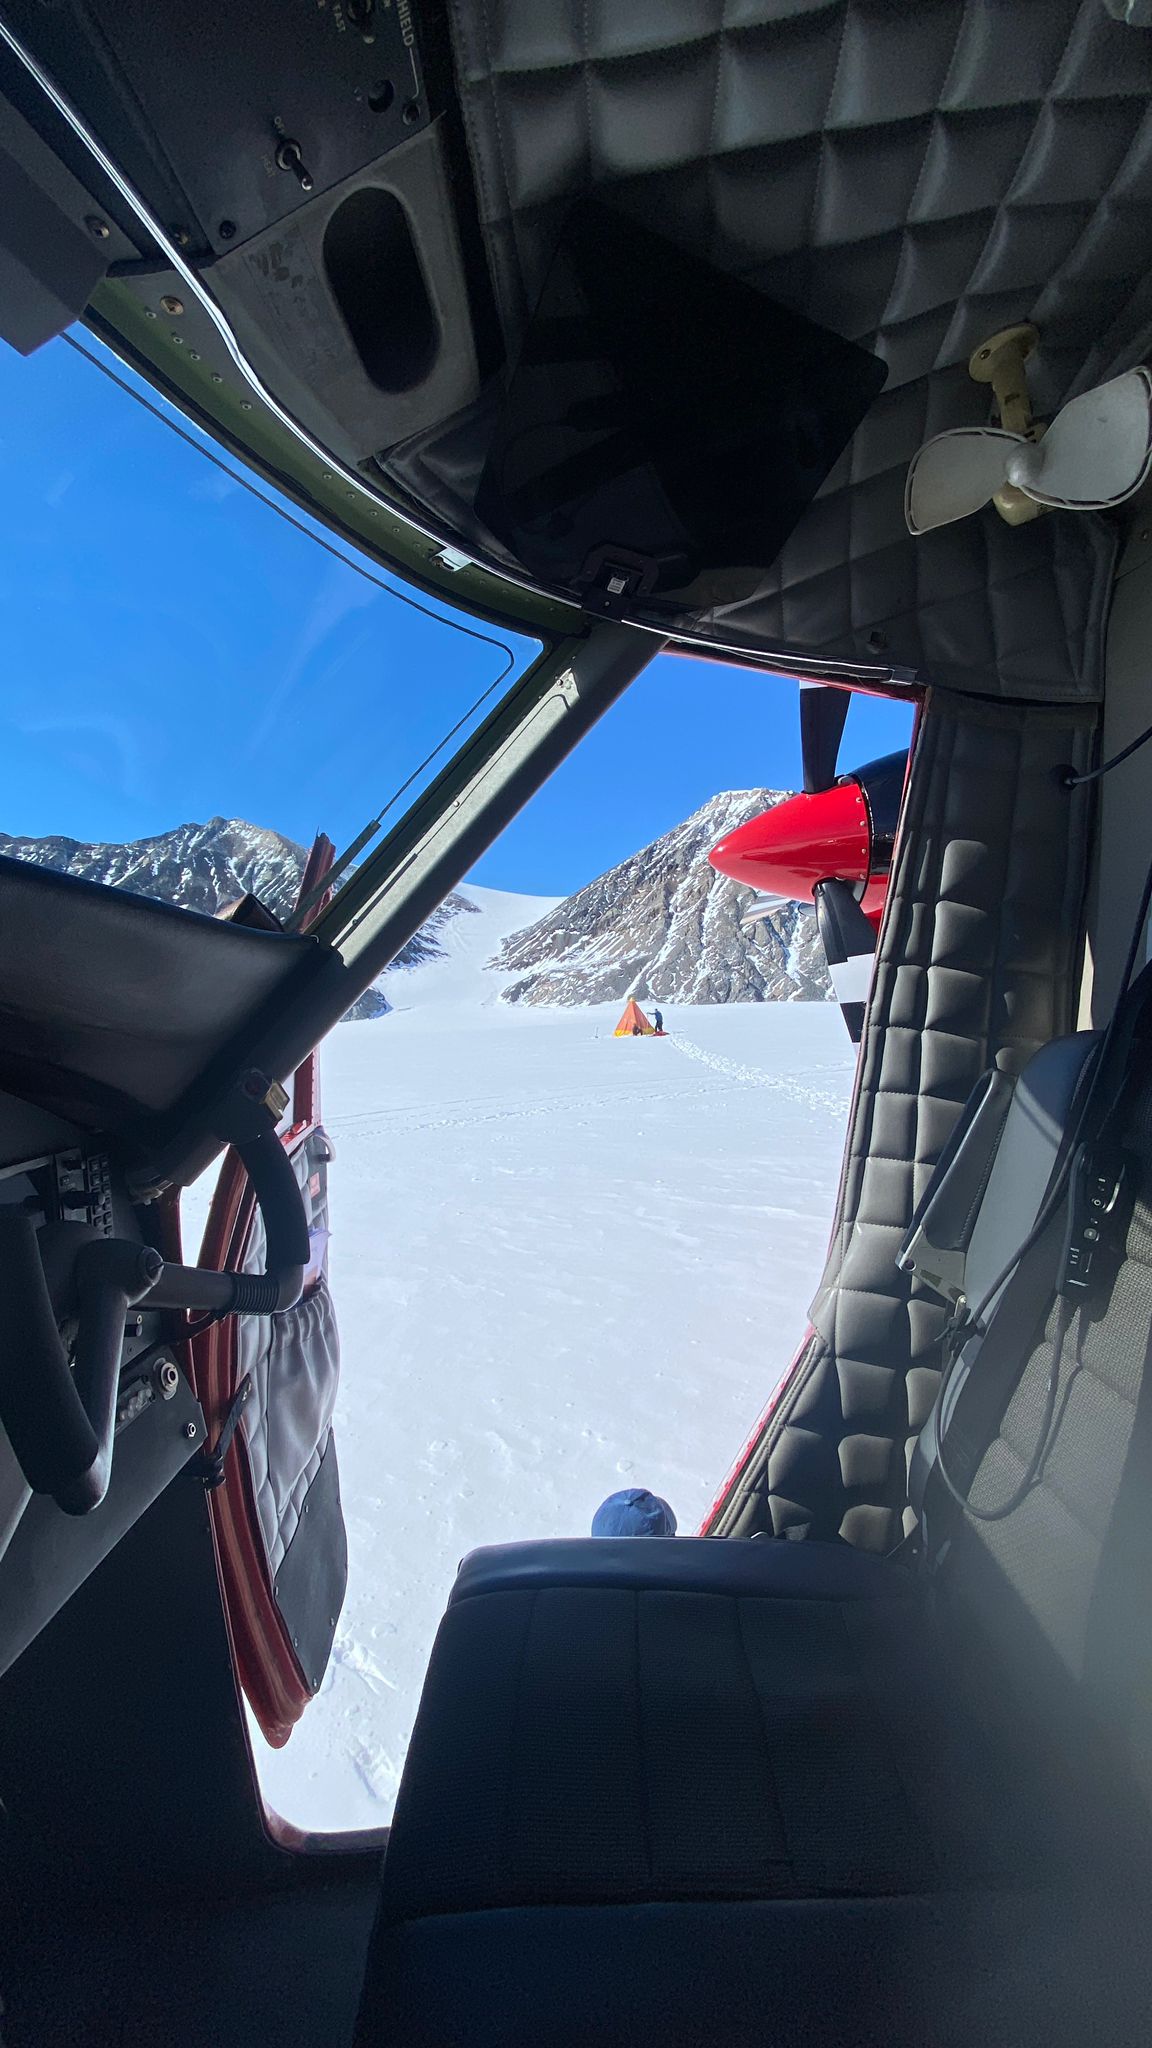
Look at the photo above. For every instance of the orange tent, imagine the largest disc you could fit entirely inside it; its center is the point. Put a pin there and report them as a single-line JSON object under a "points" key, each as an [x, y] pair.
{"points": [[633, 1021]]}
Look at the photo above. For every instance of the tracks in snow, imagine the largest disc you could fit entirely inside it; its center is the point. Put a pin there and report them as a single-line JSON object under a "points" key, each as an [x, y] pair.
{"points": [[406, 1121], [789, 1085]]}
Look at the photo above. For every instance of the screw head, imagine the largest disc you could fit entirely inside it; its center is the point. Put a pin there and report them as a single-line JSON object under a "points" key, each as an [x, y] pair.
{"points": [[97, 227], [245, 405], [169, 1380], [190, 1431], [226, 230], [171, 304]]}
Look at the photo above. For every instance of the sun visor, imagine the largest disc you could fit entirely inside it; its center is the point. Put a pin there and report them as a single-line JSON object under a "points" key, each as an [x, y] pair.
{"points": [[666, 425]]}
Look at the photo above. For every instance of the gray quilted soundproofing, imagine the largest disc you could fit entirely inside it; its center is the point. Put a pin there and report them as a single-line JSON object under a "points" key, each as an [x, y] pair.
{"points": [[978, 961], [914, 176]]}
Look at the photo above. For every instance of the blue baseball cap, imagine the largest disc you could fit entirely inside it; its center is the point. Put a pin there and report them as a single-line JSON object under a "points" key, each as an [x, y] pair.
{"points": [[634, 1512]]}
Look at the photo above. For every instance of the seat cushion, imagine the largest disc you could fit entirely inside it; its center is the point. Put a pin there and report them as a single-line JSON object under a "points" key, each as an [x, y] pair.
{"points": [[683, 1719]]}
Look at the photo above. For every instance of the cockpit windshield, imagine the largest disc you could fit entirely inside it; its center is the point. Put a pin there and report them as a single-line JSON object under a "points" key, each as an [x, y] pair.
{"points": [[189, 660]]}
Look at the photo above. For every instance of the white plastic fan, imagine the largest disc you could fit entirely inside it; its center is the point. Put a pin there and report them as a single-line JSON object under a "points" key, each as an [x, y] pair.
{"points": [[1096, 453]]}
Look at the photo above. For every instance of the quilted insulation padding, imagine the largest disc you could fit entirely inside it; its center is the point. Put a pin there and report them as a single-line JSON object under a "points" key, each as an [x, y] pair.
{"points": [[915, 177], [977, 962], [294, 1360]]}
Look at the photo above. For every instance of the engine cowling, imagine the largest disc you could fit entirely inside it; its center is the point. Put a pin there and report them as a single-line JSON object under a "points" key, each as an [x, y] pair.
{"points": [[832, 847], [844, 833]]}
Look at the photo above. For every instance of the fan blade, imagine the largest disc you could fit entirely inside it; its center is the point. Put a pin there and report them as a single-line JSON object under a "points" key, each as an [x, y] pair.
{"points": [[1097, 451], [956, 474], [822, 716]]}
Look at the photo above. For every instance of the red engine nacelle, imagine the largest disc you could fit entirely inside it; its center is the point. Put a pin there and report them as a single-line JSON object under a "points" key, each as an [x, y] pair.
{"points": [[844, 833]]}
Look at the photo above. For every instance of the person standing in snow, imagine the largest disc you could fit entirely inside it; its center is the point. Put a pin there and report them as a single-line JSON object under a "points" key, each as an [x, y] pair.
{"points": [[659, 1016]]}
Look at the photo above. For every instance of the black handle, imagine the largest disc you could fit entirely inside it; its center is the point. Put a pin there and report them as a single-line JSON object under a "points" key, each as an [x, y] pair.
{"points": [[60, 1419], [61, 1423], [279, 1287]]}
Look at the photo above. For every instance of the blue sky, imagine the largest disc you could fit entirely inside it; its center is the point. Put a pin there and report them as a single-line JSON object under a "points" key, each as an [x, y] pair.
{"points": [[172, 650]]}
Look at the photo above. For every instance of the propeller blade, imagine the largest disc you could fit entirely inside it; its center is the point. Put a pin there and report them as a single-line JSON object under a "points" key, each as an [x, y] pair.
{"points": [[850, 949], [823, 713], [1097, 451], [761, 907], [957, 473]]}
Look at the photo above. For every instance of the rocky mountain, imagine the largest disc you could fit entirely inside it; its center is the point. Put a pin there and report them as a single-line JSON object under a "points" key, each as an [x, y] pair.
{"points": [[665, 925], [202, 867]]}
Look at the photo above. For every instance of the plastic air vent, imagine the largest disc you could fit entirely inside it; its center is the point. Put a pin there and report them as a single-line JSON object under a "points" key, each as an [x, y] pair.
{"points": [[378, 282]]}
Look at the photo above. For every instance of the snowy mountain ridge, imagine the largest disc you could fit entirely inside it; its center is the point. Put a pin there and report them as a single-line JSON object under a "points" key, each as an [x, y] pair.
{"points": [[203, 867], [665, 925], [662, 924]]}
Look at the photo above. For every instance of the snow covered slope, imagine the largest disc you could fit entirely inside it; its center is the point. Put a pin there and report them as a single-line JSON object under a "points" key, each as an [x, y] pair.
{"points": [[665, 925], [463, 969], [563, 1263]]}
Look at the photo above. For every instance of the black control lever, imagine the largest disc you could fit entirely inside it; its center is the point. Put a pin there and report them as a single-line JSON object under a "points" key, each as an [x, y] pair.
{"points": [[60, 1418], [61, 1422], [286, 1232]]}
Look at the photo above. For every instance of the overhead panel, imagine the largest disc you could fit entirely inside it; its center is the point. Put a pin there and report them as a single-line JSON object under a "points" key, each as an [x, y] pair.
{"points": [[260, 107]]}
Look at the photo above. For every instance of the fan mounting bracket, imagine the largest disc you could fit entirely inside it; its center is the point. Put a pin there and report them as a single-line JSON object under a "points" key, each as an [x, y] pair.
{"points": [[1001, 361]]}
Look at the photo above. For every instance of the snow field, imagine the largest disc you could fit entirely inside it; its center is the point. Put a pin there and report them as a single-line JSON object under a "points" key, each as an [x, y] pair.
{"points": [[562, 1263]]}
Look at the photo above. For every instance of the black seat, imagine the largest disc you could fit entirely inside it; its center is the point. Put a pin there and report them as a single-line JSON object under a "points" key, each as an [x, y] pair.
{"points": [[692, 1778], [686, 1788], [679, 1719]]}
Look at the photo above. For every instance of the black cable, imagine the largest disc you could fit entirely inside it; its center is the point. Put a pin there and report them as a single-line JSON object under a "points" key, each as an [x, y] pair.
{"points": [[323, 886], [1043, 1440], [1070, 781]]}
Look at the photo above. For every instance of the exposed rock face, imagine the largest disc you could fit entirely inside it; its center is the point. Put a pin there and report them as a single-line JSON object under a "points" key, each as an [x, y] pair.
{"points": [[202, 867], [665, 925]]}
